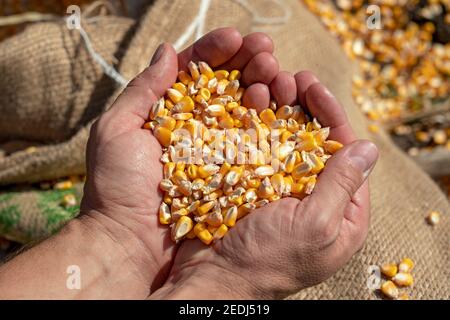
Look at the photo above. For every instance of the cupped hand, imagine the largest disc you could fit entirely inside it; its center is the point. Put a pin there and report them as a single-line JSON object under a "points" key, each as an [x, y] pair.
{"points": [[123, 160], [289, 244]]}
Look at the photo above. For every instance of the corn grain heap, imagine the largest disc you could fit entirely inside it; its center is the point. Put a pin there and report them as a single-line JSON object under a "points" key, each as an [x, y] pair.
{"points": [[222, 160]]}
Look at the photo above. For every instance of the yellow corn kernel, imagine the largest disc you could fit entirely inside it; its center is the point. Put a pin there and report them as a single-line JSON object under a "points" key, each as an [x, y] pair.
{"points": [[274, 197], [264, 171], [289, 162], [232, 88], [318, 164], [168, 170], [179, 176], [204, 94], [174, 95], [208, 170], [284, 112], [403, 279], [308, 142], [230, 216], [332, 146], [285, 136], [167, 199], [389, 289], [268, 117], [181, 87], [211, 229], [168, 104], [230, 106], [179, 124], [233, 176], [184, 77], [177, 214], [245, 209], [185, 105], [293, 125], [234, 75], [193, 69], [220, 232], [226, 122], [221, 74], [164, 214], [166, 122], [389, 269], [63, 185], [277, 181], [297, 188], [69, 200], [301, 170], [206, 207], [406, 265], [265, 190], [433, 218], [149, 125], [163, 135], [206, 70], [182, 228], [182, 116], [201, 82], [253, 183], [205, 236], [225, 168], [192, 171], [180, 166], [185, 187], [215, 110], [214, 219]]}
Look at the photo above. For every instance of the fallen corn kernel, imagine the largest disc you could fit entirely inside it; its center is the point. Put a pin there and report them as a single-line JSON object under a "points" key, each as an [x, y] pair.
{"points": [[403, 279], [69, 200], [406, 265], [433, 218], [63, 185], [389, 269], [389, 289]]}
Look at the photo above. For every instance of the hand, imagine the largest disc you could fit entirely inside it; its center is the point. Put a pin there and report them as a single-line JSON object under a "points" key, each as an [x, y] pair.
{"points": [[121, 193], [289, 244]]}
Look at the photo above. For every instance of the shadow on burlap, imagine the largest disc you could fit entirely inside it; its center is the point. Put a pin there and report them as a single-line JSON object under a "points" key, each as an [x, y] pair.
{"points": [[401, 193]]}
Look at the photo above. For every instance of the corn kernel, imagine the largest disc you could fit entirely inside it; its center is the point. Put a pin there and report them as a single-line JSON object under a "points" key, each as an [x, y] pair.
{"points": [[389, 270], [389, 289], [234, 75], [406, 265], [182, 228], [403, 279]]}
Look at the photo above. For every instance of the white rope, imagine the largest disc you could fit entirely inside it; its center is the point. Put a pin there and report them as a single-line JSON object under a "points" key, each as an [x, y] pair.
{"points": [[198, 24], [107, 68]]}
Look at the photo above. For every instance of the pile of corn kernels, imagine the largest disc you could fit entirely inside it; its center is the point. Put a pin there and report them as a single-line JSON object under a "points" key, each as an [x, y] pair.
{"points": [[402, 68], [222, 160], [399, 276]]}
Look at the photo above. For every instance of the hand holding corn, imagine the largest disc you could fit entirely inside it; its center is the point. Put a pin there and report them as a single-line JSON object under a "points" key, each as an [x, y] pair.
{"points": [[279, 247]]}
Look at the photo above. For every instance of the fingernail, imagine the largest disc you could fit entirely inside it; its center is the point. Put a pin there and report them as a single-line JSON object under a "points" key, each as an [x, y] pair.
{"points": [[363, 155], [158, 54]]}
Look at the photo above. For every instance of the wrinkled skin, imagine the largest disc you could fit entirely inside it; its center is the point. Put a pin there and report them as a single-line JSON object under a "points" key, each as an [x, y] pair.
{"points": [[276, 250]]}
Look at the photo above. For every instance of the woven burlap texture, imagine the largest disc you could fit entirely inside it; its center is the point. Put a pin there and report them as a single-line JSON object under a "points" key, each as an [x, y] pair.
{"points": [[401, 193], [51, 89]]}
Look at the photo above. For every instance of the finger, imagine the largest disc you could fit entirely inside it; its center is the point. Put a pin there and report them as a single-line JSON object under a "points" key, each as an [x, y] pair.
{"points": [[257, 96], [252, 45], [324, 106], [304, 80], [215, 48], [131, 108], [149, 85], [284, 88], [343, 175], [261, 68]]}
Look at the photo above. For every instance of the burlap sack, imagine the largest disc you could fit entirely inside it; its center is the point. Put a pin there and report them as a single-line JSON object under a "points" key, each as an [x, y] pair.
{"points": [[401, 193], [50, 90]]}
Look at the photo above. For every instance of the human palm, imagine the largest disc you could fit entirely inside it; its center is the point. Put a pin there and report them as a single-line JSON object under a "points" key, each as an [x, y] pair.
{"points": [[124, 172]]}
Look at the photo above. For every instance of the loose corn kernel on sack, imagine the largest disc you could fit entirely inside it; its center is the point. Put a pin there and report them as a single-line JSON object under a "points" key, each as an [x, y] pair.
{"points": [[401, 194], [222, 160]]}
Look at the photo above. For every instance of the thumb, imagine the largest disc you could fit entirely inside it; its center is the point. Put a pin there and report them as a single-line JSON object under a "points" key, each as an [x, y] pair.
{"points": [[149, 85], [343, 175]]}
